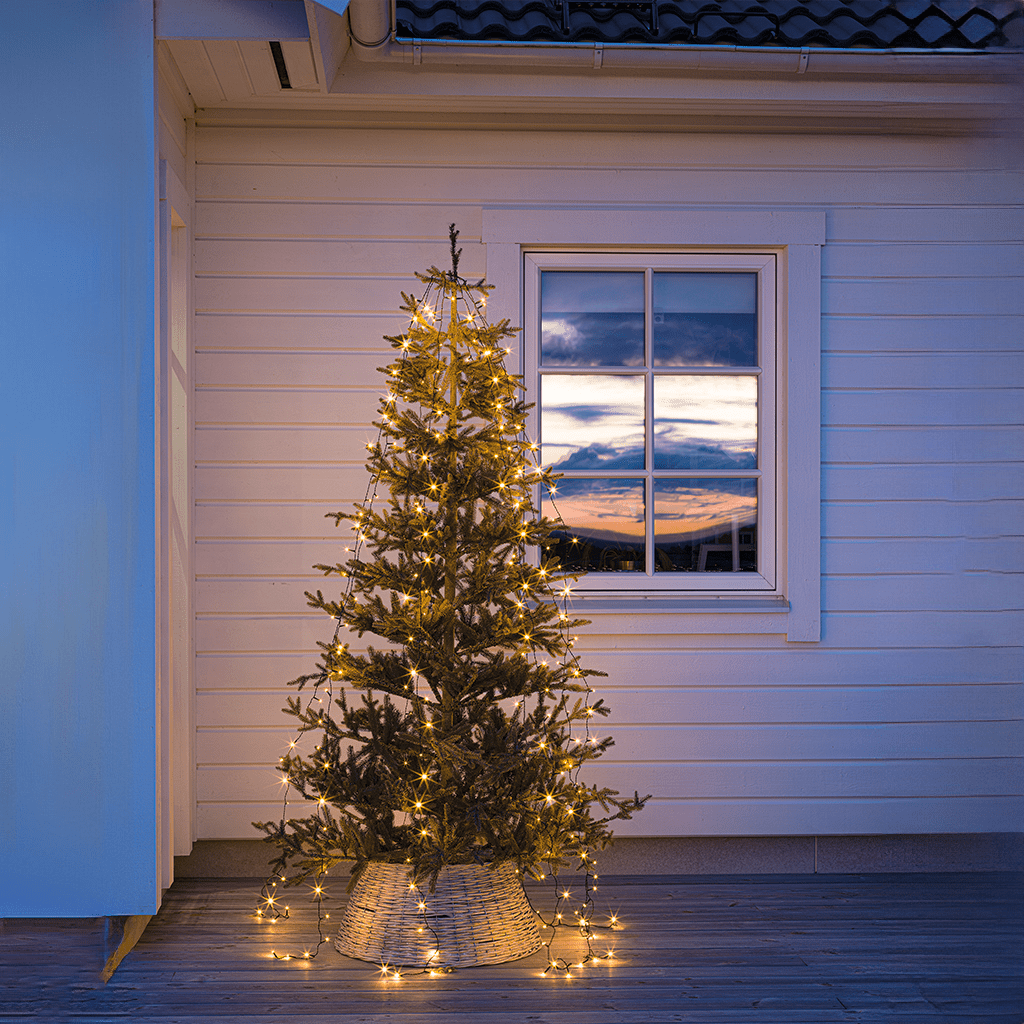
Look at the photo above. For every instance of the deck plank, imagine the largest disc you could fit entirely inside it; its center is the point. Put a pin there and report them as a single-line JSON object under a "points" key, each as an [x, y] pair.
{"points": [[798, 949]]}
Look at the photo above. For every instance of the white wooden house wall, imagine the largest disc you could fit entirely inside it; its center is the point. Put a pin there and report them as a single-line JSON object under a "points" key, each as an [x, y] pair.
{"points": [[904, 718]]}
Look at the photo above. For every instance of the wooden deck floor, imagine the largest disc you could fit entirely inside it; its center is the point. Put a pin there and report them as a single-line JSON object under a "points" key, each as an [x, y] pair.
{"points": [[807, 949]]}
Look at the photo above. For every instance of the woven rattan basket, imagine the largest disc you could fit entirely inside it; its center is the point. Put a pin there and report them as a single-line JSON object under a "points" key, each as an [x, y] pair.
{"points": [[476, 915]]}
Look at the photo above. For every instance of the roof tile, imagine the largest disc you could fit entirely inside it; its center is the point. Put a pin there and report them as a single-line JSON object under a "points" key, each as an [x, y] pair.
{"points": [[956, 9], [976, 28], [914, 24], [909, 10], [846, 31], [933, 29]]}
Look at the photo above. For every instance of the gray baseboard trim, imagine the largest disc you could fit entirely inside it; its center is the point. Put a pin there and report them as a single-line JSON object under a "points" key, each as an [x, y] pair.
{"points": [[710, 855]]}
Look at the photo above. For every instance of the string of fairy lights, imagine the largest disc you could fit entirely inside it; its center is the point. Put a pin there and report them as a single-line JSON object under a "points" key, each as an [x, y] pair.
{"points": [[568, 911]]}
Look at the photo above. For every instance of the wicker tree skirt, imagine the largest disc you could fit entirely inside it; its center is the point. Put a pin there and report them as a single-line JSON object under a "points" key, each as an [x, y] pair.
{"points": [[476, 915]]}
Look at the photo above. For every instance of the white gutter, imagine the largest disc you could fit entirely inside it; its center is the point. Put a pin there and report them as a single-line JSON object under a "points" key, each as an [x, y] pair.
{"points": [[373, 39]]}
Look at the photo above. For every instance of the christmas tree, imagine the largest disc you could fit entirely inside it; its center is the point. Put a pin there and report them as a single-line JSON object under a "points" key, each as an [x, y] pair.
{"points": [[459, 737]]}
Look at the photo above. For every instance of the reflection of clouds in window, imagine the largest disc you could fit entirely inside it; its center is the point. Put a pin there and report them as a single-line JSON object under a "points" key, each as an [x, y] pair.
{"points": [[724, 339], [592, 339], [592, 419], [592, 318], [608, 510], [705, 422], [561, 332], [704, 319], [601, 456], [694, 455], [585, 412]]}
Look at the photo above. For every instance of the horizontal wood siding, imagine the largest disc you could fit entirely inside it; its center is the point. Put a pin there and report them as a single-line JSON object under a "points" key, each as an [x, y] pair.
{"points": [[905, 718]]}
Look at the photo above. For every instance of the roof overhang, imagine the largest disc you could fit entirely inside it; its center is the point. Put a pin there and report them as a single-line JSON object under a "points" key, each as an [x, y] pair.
{"points": [[345, 67]]}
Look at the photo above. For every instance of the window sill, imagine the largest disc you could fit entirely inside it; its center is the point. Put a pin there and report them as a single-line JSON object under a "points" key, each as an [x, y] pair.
{"points": [[674, 615], [676, 603]]}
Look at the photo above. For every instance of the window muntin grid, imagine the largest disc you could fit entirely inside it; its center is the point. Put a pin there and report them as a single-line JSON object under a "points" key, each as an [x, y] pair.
{"points": [[655, 387]]}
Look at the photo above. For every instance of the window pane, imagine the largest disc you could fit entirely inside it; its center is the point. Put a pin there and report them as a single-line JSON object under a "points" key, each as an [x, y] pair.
{"points": [[604, 522], [592, 318], [705, 319], [592, 421], [705, 422], [705, 525]]}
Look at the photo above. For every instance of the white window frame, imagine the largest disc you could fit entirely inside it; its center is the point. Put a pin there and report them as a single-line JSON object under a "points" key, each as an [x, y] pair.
{"points": [[794, 238], [765, 580]]}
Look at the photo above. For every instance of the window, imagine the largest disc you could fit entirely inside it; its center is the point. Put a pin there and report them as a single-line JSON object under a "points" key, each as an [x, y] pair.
{"points": [[655, 386], [777, 588]]}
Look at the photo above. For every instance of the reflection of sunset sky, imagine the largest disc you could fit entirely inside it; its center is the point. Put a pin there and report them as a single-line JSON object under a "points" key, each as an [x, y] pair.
{"points": [[687, 509], [593, 321], [684, 510], [611, 510]]}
